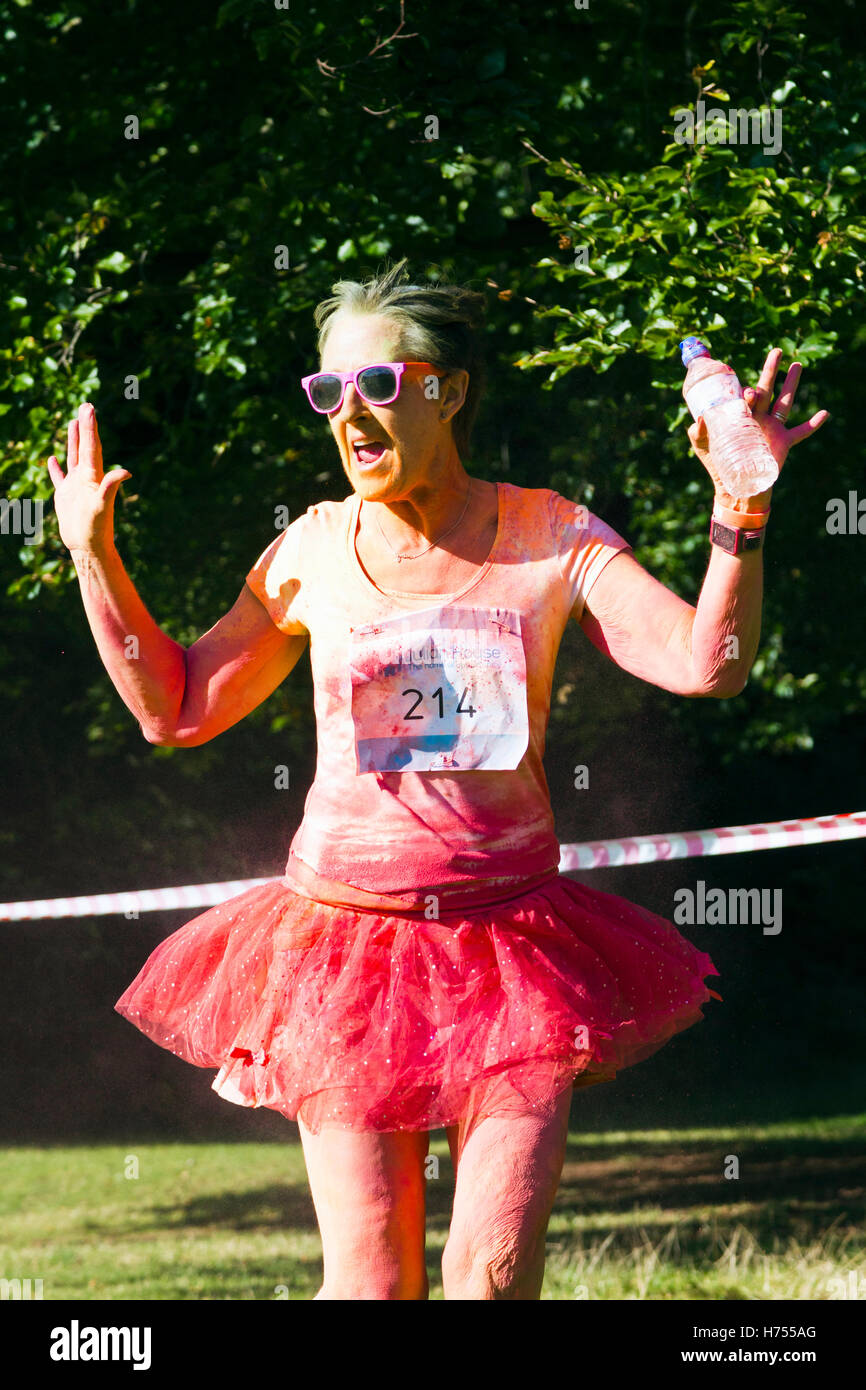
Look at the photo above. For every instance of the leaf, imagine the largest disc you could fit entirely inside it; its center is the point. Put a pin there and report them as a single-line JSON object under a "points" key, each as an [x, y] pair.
{"points": [[661, 325], [784, 91], [817, 346], [612, 270], [116, 262]]}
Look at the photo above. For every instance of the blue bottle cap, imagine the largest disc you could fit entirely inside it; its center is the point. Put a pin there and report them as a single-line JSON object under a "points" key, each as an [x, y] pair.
{"points": [[691, 348]]}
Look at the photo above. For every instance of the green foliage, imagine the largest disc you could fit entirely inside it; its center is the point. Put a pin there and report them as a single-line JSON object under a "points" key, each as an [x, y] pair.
{"points": [[749, 251]]}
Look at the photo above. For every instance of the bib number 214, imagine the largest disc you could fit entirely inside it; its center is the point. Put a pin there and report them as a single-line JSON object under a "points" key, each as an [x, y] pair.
{"points": [[438, 695], [440, 690]]}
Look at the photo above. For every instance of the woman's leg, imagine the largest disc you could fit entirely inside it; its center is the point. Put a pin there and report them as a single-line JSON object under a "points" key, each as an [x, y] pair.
{"points": [[369, 1193], [507, 1175]]}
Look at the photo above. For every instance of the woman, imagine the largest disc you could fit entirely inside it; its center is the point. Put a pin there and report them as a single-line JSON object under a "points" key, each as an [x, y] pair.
{"points": [[422, 964]]}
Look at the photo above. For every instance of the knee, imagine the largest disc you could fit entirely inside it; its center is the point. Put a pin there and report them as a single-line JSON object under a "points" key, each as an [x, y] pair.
{"points": [[501, 1268]]}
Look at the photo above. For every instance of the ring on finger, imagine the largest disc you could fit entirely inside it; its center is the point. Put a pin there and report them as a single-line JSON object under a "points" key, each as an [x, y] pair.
{"points": [[777, 415]]}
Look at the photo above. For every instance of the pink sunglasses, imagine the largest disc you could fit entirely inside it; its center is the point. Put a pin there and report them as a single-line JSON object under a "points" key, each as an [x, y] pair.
{"points": [[379, 384]]}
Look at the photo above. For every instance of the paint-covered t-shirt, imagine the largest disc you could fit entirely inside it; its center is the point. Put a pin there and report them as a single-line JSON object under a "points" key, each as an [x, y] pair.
{"points": [[431, 709]]}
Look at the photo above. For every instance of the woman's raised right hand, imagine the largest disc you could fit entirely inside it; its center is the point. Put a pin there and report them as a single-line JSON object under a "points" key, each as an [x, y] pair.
{"points": [[84, 496]]}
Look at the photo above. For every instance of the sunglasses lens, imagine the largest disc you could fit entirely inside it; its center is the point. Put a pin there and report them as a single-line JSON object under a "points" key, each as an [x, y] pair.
{"points": [[325, 391], [378, 383]]}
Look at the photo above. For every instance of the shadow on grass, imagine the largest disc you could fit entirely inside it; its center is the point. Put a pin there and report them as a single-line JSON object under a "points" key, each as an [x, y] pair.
{"points": [[277, 1207], [794, 1188], [786, 1189]]}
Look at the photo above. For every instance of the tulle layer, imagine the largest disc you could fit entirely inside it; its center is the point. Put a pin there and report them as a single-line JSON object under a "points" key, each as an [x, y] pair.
{"points": [[367, 1020]]}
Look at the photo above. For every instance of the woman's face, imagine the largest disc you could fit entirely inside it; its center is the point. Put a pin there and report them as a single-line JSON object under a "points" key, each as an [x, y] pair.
{"points": [[418, 447]]}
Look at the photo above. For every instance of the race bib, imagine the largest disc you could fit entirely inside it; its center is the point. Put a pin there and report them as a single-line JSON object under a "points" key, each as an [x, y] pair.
{"points": [[443, 690]]}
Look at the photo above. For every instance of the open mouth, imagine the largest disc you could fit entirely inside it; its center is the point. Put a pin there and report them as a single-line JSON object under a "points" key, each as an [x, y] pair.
{"points": [[368, 451]]}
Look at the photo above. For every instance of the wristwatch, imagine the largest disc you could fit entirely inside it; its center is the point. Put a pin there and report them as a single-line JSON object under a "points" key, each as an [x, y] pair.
{"points": [[735, 539]]}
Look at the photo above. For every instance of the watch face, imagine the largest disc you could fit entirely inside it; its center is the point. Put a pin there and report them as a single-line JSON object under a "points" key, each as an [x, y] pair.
{"points": [[725, 537]]}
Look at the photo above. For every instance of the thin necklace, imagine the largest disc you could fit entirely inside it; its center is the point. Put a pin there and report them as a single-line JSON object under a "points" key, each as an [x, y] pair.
{"points": [[419, 553]]}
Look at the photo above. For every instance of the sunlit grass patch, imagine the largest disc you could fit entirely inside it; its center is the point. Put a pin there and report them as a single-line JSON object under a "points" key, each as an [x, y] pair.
{"points": [[638, 1215]]}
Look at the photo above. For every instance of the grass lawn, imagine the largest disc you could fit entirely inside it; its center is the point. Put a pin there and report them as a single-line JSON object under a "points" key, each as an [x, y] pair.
{"points": [[639, 1215]]}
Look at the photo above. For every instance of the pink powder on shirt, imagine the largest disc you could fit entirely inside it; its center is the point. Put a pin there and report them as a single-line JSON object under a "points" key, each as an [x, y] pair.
{"points": [[471, 836]]}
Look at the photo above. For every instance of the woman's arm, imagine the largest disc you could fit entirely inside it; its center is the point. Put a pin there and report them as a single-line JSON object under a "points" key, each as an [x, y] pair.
{"points": [[229, 671], [180, 697], [647, 630], [708, 650]]}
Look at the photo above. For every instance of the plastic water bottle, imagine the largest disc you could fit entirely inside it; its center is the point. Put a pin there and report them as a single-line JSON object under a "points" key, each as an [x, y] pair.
{"points": [[741, 456]]}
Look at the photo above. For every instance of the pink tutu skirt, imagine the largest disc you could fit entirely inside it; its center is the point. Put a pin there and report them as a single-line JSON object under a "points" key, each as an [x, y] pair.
{"points": [[373, 1021]]}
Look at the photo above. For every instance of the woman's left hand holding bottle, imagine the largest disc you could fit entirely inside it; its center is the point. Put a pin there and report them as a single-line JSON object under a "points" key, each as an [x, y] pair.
{"points": [[772, 417]]}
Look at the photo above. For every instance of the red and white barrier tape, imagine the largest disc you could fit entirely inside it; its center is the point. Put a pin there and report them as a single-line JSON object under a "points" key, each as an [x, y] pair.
{"points": [[594, 854], [728, 839], [142, 900]]}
